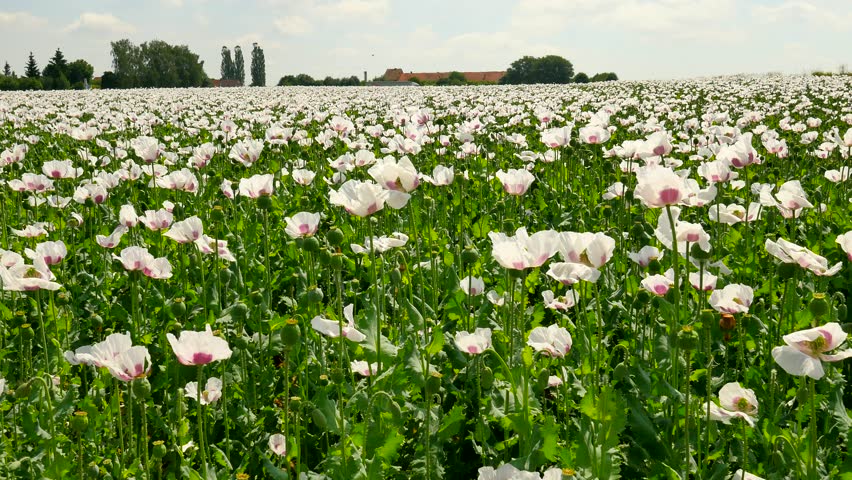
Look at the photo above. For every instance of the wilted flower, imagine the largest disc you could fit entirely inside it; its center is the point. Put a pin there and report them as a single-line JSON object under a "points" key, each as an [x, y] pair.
{"points": [[806, 350], [569, 273], [278, 444], [363, 368], [559, 303], [333, 329], [789, 252], [734, 298], [211, 393]]}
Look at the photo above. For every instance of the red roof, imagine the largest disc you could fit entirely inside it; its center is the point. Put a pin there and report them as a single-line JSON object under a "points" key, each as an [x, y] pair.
{"points": [[397, 75]]}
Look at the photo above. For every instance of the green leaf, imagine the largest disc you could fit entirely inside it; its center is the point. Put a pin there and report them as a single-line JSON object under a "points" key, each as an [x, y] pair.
{"points": [[437, 342]]}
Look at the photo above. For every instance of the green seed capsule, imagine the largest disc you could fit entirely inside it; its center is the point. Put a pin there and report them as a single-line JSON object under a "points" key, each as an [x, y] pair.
{"points": [[264, 202], [239, 311], [178, 308], [687, 338], [324, 257], [620, 372], [311, 244], [655, 267], [334, 237], [159, 449], [313, 296], [337, 261], [79, 421], [217, 214], [469, 255], [698, 253], [291, 333], [819, 306]]}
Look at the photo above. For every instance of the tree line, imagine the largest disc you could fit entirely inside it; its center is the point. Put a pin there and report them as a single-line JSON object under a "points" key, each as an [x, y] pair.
{"points": [[306, 80], [58, 74], [549, 69], [234, 69]]}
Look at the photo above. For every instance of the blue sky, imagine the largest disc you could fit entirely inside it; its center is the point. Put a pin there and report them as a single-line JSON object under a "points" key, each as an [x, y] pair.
{"points": [[638, 39]]}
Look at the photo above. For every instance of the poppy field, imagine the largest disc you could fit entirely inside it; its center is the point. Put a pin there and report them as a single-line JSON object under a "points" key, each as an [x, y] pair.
{"points": [[614, 280]]}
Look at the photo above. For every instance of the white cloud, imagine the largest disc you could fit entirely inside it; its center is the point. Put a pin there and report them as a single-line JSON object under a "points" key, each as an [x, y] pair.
{"points": [[796, 11], [373, 10], [293, 25], [172, 3], [102, 22], [20, 19]]}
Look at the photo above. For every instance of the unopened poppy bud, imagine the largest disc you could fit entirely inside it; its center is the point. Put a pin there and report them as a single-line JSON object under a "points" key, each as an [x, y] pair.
{"points": [[819, 305], [141, 388], [727, 322], [311, 244], [159, 449], [79, 421], [395, 276], [486, 378], [433, 383], [62, 298], [542, 379], [469, 255], [225, 276], [264, 202], [256, 297], [291, 333], [687, 338], [620, 371], [787, 271], [337, 376], [841, 312], [319, 418], [637, 231], [334, 236]]}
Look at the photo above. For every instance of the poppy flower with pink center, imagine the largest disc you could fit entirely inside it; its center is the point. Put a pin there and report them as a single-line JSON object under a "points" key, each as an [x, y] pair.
{"points": [[199, 348], [302, 224], [807, 349], [474, 343]]}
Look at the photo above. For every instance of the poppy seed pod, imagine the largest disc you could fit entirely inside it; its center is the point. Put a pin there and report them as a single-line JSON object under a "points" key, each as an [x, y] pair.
{"points": [[178, 308], [655, 267], [334, 237], [706, 317], [324, 257], [313, 296], [819, 306], [311, 244], [264, 202], [469, 255], [687, 338], [337, 376], [159, 449], [727, 322], [337, 261], [291, 333], [217, 214], [620, 371], [27, 331], [239, 311], [696, 252], [79, 421]]}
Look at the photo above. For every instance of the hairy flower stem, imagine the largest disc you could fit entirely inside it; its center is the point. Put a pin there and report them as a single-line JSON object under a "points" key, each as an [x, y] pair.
{"points": [[812, 470], [686, 418], [201, 441], [376, 308], [674, 326]]}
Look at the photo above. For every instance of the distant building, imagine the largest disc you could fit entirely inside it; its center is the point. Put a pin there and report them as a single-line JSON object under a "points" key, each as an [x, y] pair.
{"points": [[227, 83], [397, 75]]}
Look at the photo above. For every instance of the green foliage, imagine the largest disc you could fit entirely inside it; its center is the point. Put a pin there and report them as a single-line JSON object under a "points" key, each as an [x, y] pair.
{"points": [[604, 77], [155, 64], [547, 69], [80, 70], [227, 69], [581, 78], [239, 65], [258, 66], [31, 70]]}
